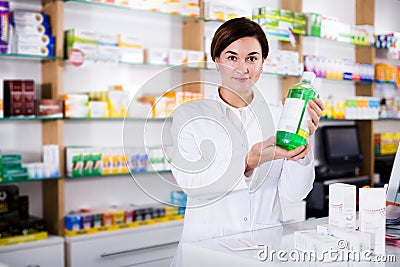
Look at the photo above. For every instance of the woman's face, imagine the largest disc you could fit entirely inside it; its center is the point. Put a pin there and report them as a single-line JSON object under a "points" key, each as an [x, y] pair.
{"points": [[240, 64]]}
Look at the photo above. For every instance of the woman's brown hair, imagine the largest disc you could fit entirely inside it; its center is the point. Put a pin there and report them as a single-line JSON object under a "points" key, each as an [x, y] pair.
{"points": [[235, 29]]}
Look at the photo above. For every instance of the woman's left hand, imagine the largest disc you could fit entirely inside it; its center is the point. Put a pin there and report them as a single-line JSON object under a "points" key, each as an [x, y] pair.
{"points": [[315, 109]]}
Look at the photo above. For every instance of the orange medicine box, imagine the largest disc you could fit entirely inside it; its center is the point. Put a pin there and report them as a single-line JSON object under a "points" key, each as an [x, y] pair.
{"points": [[108, 218]]}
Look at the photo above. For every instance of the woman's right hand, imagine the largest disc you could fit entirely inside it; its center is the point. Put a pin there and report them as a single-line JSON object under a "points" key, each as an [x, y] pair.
{"points": [[264, 151]]}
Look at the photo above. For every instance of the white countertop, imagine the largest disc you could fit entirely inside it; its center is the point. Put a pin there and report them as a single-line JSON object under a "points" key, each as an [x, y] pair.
{"points": [[211, 253]]}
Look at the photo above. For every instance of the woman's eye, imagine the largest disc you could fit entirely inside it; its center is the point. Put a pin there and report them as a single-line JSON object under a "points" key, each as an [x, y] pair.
{"points": [[252, 59], [232, 58]]}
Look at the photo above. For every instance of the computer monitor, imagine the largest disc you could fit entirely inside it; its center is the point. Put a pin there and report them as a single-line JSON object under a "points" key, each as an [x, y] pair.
{"points": [[342, 146], [393, 190]]}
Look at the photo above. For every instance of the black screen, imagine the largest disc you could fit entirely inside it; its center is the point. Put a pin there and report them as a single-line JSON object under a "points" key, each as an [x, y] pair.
{"points": [[342, 145]]}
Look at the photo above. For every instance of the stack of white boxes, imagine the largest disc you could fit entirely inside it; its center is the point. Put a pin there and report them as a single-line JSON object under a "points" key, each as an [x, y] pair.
{"points": [[32, 34], [341, 234]]}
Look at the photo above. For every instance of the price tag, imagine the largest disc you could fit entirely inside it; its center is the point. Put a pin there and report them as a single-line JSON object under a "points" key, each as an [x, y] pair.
{"points": [[76, 57]]}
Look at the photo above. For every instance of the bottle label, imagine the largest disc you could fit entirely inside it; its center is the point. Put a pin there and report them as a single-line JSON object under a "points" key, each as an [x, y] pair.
{"points": [[304, 130], [291, 116]]}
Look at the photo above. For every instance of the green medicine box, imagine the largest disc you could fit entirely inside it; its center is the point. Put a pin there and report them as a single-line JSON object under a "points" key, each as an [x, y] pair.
{"points": [[286, 15]]}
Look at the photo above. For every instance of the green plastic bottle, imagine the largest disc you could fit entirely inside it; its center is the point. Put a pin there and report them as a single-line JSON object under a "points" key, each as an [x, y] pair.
{"points": [[292, 130]]}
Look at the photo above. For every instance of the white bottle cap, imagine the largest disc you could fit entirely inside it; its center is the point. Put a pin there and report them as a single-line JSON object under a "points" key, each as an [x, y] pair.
{"points": [[309, 76]]}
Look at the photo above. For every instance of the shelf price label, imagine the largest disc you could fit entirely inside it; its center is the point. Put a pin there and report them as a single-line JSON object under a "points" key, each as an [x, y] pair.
{"points": [[76, 57]]}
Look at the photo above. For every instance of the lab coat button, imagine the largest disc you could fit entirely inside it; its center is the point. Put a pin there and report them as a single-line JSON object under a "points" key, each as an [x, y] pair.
{"points": [[245, 219]]}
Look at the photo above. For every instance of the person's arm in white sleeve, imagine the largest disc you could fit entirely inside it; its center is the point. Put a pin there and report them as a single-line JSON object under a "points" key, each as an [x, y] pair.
{"points": [[203, 172], [297, 178]]}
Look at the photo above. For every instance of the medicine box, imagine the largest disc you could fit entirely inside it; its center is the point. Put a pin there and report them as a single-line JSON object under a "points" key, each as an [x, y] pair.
{"points": [[195, 58], [131, 55], [73, 222], [214, 11], [311, 240], [108, 54], [372, 212], [34, 49], [156, 56], [51, 160], [342, 205], [32, 17], [314, 22], [108, 39], [22, 28], [37, 39], [131, 41], [86, 220], [108, 217], [356, 240], [176, 57], [84, 40], [191, 11]]}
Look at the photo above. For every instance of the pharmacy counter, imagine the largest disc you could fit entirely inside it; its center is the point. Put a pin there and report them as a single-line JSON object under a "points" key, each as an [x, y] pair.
{"points": [[145, 246], [212, 253], [48, 252]]}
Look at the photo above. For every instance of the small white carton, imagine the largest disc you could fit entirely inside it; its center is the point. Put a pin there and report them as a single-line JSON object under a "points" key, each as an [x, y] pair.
{"points": [[315, 245], [342, 205], [356, 240], [51, 160], [157, 56], [373, 216]]}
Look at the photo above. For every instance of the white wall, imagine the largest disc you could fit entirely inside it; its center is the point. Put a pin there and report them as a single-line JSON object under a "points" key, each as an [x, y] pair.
{"points": [[387, 16]]}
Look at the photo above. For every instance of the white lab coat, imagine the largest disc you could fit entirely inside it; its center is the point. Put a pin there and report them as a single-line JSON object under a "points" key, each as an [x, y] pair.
{"points": [[227, 202]]}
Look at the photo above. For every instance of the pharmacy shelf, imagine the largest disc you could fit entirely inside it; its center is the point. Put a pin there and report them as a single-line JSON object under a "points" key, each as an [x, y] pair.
{"points": [[29, 119], [380, 119], [386, 82], [116, 175], [276, 34], [358, 82], [129, 9], [271, 33], [136, 64], [30, 180], [27, 57], [33, 2], [347, 81], [180, 67], [39, 119], [176, 67], [389, 82], [316, 38], [85, 177], [118, 119], [388, 119], [339, 120], [384, 156]]}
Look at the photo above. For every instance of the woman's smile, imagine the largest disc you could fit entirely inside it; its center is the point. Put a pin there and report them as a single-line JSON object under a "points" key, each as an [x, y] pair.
{"points": [[241, 79]]}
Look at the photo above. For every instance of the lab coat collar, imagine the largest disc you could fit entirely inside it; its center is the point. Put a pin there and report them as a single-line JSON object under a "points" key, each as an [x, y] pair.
{"points": [[225, 106]]}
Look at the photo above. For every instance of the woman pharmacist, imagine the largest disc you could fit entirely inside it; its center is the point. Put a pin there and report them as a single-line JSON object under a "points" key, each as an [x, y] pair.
{"points": [[224, 154]]}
